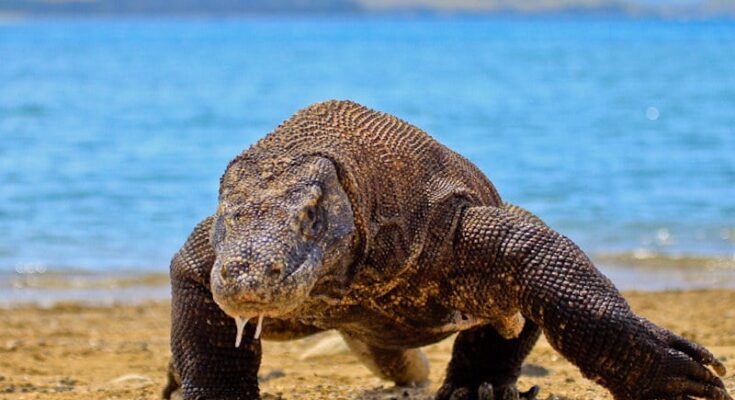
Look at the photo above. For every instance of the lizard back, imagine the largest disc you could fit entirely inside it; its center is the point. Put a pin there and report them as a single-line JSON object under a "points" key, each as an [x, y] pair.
{"points": [[407, 192]]}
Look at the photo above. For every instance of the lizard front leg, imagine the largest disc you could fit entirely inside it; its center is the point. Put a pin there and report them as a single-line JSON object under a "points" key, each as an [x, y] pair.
{"points": [[485, 361], [205, 358], [486, 365], [508, 263]]}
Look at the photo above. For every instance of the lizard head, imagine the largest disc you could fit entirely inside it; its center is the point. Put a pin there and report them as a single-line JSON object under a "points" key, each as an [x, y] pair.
{"points": [[281, 225]]}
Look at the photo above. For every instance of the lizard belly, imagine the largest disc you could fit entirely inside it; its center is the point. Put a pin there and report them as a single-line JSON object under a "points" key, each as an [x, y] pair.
{"points": [[401, 331], [385, 334], [459, 321], [397, 325], [388, 333]]}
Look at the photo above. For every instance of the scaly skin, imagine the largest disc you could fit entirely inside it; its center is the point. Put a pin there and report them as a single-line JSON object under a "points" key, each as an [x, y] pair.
{"points": [[350, 219]]}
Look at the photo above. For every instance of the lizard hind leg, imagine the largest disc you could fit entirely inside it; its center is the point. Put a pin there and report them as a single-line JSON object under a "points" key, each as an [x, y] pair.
{"points": [[402, 366], [486, 366]]}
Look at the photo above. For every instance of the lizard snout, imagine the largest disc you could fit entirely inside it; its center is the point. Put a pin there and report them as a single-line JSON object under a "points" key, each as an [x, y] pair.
{"points": [[252, 285], [233, 270]]}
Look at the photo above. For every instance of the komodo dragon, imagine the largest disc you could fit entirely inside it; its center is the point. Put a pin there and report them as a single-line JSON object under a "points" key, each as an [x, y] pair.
{"points": [[350, 219]]}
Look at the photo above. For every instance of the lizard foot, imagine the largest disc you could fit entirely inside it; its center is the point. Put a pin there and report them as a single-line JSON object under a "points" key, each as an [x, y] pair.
{"points": [[680, 369], [486, 391]]}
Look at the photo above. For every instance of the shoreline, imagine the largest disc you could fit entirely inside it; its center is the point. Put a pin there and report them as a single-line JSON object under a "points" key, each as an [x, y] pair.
{"points": [[44, 287], [69, 351]]}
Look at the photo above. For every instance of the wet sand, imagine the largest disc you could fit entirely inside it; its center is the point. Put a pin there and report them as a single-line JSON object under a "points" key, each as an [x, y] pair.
{"points": [[70, 351]]}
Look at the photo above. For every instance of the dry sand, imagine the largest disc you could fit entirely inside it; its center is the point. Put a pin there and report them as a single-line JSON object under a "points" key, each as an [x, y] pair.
{"points": [[81, 352]]}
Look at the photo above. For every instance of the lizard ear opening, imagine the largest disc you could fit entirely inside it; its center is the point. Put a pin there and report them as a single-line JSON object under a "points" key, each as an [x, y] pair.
{"points": [[309, 219], [312, 220]]}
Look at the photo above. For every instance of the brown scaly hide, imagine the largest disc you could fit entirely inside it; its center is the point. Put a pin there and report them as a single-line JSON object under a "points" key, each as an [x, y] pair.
{"points": [[400, 181], [435, 252]]}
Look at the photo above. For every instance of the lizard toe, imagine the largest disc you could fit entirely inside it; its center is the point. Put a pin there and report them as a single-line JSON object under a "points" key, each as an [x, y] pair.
{"points": [[511, 392], [486, 391], [684, 388], [462, 393]]}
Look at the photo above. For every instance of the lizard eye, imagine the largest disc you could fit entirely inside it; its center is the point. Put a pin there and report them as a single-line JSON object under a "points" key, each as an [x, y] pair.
{"points": [[312, 221]]}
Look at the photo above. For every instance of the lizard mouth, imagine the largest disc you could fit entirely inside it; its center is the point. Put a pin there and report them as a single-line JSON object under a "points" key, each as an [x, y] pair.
{"points": [[247, 299]]}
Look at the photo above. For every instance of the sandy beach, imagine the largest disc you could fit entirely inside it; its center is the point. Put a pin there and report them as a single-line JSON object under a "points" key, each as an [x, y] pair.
{"points": [[70, 351]]}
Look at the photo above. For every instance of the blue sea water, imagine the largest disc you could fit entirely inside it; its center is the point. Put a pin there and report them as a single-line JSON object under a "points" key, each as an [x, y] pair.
{"points": [[113, 133]]}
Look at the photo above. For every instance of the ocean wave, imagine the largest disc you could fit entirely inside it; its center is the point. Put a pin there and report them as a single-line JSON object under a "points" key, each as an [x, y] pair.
{"points": [[642, 258], [81, 280]]}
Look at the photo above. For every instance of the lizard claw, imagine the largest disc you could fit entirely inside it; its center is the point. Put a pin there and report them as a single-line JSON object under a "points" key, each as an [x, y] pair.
{"points": [[486, 391], [697, 353], [693, 350], [530, 394]]}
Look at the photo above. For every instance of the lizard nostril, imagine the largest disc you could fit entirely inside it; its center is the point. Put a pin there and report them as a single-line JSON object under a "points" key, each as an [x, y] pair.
{"points": [[223, 271], [231, 269], [277, 268]]}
